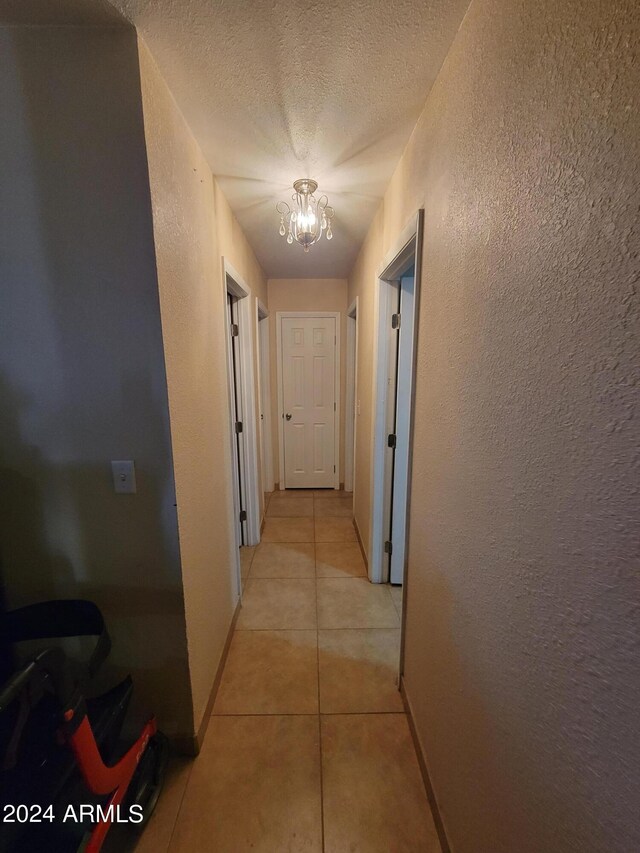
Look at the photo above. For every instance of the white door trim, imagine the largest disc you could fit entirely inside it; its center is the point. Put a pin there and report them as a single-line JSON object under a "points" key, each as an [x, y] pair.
{"points": [[235, 284], [407, 247], [280, 315], [351, 395], [264, 385]]}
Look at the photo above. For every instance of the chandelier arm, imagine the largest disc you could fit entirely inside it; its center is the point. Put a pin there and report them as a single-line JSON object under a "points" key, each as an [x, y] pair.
{"points": [[323, 201]]}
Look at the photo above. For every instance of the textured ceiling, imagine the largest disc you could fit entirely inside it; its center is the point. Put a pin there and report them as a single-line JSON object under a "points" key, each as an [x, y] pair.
{"points": [[275, 90]]}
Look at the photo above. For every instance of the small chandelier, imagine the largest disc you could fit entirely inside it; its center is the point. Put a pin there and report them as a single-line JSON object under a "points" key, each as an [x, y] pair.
{"points": [[308, 218]]}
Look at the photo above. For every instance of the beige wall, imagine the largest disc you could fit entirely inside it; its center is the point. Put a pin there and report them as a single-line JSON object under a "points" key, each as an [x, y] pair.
{"points": [[194, 229], [361, 285], [522, 643], [82, 376], [193, 323], [234, 246], [306, 294]]}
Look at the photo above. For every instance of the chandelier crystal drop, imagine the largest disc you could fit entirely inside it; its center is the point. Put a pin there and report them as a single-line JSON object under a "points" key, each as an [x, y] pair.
{"points": [[308, 218]]}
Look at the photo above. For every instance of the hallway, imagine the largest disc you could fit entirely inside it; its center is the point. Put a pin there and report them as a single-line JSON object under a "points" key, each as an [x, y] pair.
{"points": [[392, 247], [309, 747]]}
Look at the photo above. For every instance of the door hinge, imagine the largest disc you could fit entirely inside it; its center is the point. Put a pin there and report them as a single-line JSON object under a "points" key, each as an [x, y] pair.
{"points": [[391, 441], [334, 407], [395, 321], [243, 515], [235, 331], [388, 547], [334, 469], [239, 427]]}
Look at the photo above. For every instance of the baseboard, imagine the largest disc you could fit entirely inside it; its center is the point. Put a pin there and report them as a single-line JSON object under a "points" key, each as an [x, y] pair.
{"points": [[184, 745], [362, 551], [191, 745], [431, 797]]}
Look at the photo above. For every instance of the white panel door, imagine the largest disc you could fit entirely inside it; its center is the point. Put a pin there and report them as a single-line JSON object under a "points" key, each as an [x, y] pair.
{"points": [[309, 398]]}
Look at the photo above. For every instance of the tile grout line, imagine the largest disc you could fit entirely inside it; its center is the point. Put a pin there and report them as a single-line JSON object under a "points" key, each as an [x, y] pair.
{"points": [[184, 794], [351, 628], [318, 679], [309, 714]]}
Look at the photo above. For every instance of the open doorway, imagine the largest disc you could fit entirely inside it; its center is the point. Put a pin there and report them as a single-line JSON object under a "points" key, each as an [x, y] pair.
{"points": [[242, 408], [351, 397], [397, 312], [237, 418], [264, 396]]}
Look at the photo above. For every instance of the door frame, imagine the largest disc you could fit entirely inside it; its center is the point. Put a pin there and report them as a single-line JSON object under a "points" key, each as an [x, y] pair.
{"points": [[407, 248], [264, 393], [351, 396], [236, 286], [280, 315]]}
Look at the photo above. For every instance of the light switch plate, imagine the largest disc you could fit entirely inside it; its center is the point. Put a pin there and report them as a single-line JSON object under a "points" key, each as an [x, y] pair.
{"points": [[124, 477]]}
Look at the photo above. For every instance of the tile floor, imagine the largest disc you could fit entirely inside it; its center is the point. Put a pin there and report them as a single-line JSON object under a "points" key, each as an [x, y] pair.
{"points": [[308, 748]]}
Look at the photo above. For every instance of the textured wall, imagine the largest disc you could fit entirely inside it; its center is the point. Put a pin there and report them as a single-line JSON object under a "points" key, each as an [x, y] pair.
{"points": [[361, 284], [194, 228], [522, 645], [306, 294], [234, 246], [193, 310], [82, 378]]}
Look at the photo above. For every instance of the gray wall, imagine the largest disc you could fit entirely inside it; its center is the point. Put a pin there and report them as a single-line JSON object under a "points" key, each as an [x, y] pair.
{"points": [[82, 378]]}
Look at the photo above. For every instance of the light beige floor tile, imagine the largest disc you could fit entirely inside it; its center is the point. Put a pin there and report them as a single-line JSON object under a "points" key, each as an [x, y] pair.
{"points": [[270, 672], [157, 833], [293, 493], [396, 596], [288, 530], [374, 798], [246, 556], [338, 560], [291, 507], [354, 603], [359, 671], [339, 507], [254, 787], [278, 604], [331, 493], [335, 530], [284, 560]]}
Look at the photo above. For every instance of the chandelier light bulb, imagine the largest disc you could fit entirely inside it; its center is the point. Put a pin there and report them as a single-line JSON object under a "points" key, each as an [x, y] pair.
{"points": [[309, 217]]}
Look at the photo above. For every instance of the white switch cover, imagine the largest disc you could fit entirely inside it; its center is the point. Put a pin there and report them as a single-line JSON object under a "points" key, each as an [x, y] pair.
{"points": [[124, 477]]}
